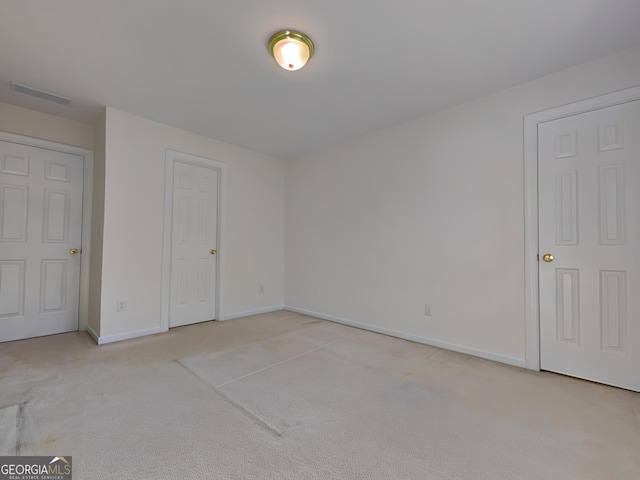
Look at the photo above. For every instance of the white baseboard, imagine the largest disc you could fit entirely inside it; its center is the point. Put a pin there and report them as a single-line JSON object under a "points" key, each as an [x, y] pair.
{"points": [[518, 362], [124, 336], [101, 340], [231, 316], [93, 334]]}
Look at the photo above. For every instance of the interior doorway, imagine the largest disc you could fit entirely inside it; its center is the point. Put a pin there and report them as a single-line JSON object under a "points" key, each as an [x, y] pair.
{"points": [[45, 213], [194, 250], [582, 239]]}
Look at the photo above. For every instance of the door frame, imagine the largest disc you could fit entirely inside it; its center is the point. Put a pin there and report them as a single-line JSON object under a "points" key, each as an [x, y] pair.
{"points": [[171, 158], [87, 198], [531, 240]]}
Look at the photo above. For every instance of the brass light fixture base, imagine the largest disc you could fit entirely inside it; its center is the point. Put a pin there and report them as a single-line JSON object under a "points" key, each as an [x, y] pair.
{"points": [[290, 36]]}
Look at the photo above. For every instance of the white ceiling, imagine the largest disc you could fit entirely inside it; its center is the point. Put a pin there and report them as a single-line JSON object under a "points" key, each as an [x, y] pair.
{"points": [[203, 65]]}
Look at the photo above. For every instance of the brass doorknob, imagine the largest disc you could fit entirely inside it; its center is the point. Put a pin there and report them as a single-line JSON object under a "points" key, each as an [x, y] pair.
{"points": [[547, 257], [73, 251], [213, 252]]}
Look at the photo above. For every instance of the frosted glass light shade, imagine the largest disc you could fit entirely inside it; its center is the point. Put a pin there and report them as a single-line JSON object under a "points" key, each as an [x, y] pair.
{"points": [[291, 49]]}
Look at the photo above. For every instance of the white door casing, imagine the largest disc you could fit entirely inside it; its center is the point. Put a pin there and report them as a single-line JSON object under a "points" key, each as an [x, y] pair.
{"points": [[195, 191], [41, 200], [589, 179], [609, 277]]}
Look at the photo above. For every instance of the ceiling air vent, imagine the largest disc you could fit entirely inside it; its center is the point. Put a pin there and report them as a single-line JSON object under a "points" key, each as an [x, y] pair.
{"points": [[16, 87]]}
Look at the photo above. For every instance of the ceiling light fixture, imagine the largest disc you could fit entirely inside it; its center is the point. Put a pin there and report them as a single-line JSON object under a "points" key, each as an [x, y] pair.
{"points": [[291, 49]]}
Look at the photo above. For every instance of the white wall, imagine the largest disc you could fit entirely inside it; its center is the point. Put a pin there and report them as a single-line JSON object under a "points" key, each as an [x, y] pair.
{"points": [[133, 222], [30, 123], [430, 211], [97, 220]]}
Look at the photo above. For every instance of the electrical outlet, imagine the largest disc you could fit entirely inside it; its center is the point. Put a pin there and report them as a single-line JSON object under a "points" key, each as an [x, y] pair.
{"points": [[261, 289], [427, 309], [121, 305]]}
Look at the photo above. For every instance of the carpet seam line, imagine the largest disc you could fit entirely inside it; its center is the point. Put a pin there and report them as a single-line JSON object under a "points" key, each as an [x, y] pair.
{"points": [[282, 362], [252, 416], [20, 425]]}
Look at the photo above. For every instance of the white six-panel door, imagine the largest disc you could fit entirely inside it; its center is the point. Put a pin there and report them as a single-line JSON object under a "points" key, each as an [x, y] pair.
{"points": [[193, 244], [40, 229], [589, 222]]}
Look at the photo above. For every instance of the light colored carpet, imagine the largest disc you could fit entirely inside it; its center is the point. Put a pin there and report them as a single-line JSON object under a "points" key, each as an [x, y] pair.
{"points": [[283, 396]]}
